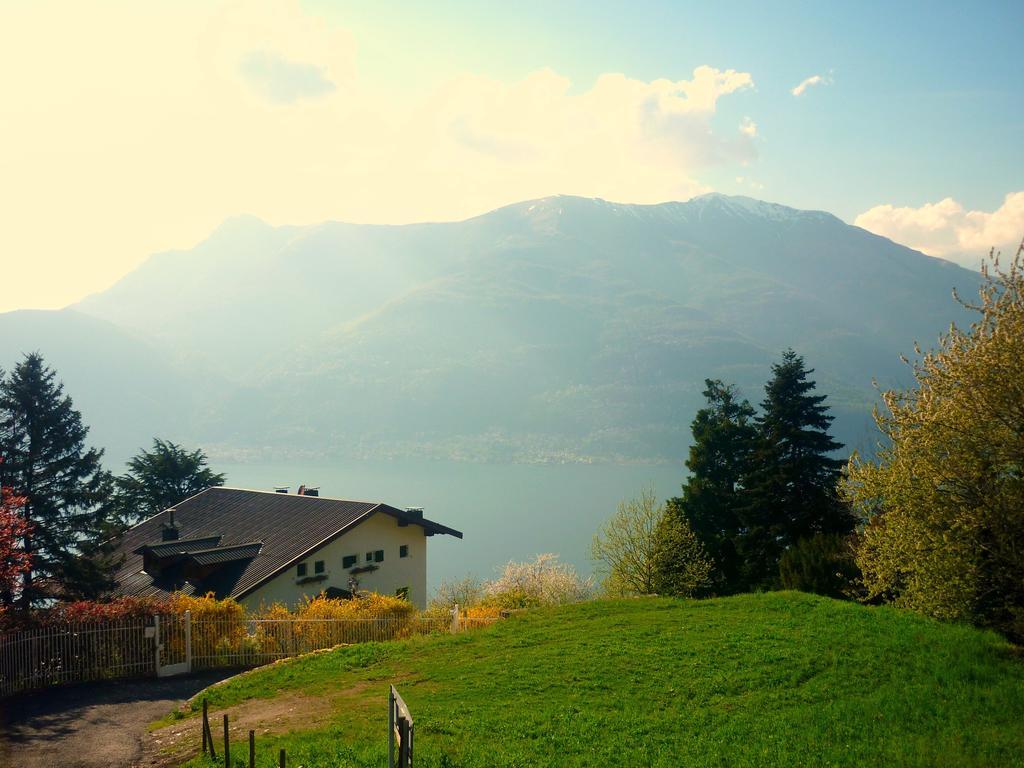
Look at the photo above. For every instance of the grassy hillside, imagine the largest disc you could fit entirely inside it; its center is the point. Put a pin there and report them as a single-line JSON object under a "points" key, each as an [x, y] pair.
{"points": [[780, 679]]}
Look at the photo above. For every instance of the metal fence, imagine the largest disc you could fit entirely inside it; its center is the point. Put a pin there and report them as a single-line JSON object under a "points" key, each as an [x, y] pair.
{"points": [[71, 653], [37, 658], [251, 642]]}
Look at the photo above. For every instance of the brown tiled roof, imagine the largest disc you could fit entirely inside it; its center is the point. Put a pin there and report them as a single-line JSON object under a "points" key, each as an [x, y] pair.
{"points": [[288, 527]]}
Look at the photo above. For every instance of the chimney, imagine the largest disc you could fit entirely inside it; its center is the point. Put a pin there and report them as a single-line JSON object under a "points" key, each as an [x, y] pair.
{"points": [[170, 530], [302, 490], [415, 512]]}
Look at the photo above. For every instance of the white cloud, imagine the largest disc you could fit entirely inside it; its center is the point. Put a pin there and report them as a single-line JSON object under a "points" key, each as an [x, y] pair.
{"points": [[948, 230], [139, 127], [813, 80]]}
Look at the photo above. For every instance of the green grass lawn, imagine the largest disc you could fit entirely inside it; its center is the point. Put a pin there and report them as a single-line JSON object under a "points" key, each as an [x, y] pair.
{"points": [[777, 679]]}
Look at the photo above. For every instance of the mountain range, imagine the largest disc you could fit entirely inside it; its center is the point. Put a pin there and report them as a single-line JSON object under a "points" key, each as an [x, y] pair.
{"points": [[563, 329]]}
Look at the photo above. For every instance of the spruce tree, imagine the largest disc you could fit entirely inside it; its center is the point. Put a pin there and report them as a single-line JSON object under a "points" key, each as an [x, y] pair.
{"points": [[790, 491], [723, 437], [42, 440]]}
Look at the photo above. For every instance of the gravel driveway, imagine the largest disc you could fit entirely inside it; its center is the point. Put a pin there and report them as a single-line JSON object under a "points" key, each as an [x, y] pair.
{"points": [[99, 725]]}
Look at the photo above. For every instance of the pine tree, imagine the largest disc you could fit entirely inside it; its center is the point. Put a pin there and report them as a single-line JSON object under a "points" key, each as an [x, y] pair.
{"points": [[42, 439], [160, 478], [790, 492], [723, 437]]}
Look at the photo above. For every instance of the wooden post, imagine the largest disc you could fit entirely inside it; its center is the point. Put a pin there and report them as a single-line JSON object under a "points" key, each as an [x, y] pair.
{"points": [[400, 731], [391, 726], [252, 749], [455, 618], [227, 744], [282, 759], [206, 725], [209, 740]]}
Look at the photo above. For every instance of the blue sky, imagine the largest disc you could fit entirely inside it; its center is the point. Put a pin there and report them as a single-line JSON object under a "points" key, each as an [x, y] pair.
{"points": [[927, 99], [137, 126]]}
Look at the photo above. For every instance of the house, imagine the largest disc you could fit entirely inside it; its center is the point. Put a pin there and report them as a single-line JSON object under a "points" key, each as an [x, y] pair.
{"points": [[262, 547]]}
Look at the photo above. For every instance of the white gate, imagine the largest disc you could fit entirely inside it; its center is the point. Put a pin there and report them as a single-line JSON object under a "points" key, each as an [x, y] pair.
{"points": [[173, 644]]}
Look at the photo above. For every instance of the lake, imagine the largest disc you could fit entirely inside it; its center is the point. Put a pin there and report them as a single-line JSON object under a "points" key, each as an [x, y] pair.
{"points": [[505, 511]]}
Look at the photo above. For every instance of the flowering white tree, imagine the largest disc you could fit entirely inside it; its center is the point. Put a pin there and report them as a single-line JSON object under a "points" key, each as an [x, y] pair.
{"points": [[543, 581]]}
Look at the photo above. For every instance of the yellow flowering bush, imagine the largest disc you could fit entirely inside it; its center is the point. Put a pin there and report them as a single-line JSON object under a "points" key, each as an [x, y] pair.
{"points": [[321, 622], [218, 626]]}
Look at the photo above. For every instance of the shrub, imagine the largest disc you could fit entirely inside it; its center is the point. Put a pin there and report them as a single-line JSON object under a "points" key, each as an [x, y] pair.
{"points": [[681, 566], [323, 622], [218, 626], [943, 498], [822, 564], [465, 592], [88, 611], [624, 547], [544, 581]]}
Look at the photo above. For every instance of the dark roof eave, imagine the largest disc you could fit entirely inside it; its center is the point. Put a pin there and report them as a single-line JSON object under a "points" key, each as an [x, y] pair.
{"points": [[430, 528]]}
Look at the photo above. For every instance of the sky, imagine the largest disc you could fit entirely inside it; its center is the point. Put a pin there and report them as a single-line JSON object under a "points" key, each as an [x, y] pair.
{"points": [[129, 128]]}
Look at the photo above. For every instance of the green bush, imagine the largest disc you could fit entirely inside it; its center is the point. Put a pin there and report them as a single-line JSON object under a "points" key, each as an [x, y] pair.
{"points": [[822, 564]]}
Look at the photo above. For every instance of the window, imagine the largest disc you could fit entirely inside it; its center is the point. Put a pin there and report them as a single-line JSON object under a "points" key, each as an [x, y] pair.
{"points": [[349, 560], [318, 566], [300, 570], [378, 556], [369, 557], [403, 551], [402, 593]]}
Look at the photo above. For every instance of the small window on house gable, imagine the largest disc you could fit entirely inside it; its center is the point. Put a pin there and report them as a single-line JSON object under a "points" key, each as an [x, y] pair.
{"points": [[378, 556], [369, 557], [300, 570], [349, 560], [403, 551], [318, 566]]}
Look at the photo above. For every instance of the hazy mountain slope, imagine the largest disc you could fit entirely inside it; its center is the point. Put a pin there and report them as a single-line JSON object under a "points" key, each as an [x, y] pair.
{"points": [[562, 328], [127, 390]]}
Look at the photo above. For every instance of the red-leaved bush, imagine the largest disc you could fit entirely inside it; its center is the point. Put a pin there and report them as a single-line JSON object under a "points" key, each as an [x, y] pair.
{"points": [[85, 611], [14, 561]]}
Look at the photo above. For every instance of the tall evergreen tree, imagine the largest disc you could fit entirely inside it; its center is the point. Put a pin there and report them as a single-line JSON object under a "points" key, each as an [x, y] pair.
{"points": [[42, 440], [790, 491], [160, 478], [723, 438]]}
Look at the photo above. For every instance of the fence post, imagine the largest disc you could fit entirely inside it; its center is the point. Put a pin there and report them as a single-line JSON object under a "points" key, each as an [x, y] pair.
{"points": [[391, 726], [227, 744], [282, 760], [206, 725], [188, 641], [209, 733], [252, 749], [403, 747], [156, 636], [455, 618]]}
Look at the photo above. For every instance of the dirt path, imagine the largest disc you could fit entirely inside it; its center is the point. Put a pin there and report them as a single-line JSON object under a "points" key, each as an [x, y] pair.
{"points": [[177, 742], [286, 712], [101, 725]]}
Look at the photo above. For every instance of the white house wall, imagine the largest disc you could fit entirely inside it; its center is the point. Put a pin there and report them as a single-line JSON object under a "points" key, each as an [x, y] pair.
{"points": [[379, 531]]}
